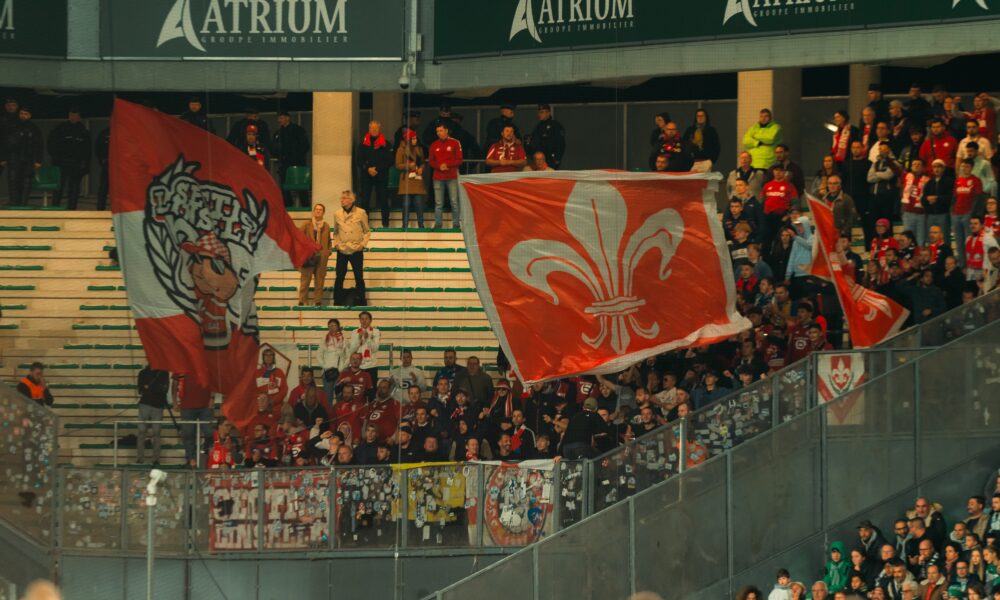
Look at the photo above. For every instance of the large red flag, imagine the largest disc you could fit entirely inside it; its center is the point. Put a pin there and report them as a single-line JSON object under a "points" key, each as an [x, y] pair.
{"points": [[871, 317], [196, 222], [591, 271]]}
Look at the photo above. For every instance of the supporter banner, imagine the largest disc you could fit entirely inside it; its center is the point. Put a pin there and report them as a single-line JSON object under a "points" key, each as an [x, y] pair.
{"points": [[839, 374], [257, 29], [33, 28], [518, 501], [871, 317], [471, 27], [196, 222], [233, 500], [592, 271]]}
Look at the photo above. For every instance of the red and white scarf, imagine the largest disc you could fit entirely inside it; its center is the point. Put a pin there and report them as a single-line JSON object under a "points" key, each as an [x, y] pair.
{"points": [[841, 143]]}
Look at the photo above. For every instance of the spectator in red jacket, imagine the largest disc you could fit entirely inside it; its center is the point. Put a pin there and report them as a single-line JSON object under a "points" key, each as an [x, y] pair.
{"points": [[507, 154], [445, 158], [939, 145], [778, 197], [968, 188]]}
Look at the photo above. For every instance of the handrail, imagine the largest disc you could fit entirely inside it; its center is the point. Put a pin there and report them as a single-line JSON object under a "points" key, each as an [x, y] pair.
{"points": [[197, 427], [793, 422]]}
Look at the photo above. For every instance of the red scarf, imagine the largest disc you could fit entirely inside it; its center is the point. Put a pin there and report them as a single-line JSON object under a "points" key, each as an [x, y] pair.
{"points": [[974, 251], [934, 248], [334, 337], [379, 141], [841, 143]]}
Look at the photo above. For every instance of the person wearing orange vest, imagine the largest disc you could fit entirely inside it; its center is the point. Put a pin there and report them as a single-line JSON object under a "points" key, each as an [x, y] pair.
{"points": [[34, 387]]}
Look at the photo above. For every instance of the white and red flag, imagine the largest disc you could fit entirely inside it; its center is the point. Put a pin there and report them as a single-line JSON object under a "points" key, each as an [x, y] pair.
{"points": [[591, 271], [871, 317], [196, 222]]}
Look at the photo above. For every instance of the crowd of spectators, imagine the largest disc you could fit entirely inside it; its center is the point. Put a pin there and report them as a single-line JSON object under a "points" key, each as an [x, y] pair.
{"points": [[922, 558]]}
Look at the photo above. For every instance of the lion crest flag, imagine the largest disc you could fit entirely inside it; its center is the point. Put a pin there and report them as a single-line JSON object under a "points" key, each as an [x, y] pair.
{"points": [[196, 222], [871, 317], [591, 271]]}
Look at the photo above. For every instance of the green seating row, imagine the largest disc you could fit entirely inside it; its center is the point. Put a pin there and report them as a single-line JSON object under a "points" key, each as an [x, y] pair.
{"points": [[25, 228], [92, 386], [13, 306], [16, 288], [30, 248], [21, 267], [102, 346]]}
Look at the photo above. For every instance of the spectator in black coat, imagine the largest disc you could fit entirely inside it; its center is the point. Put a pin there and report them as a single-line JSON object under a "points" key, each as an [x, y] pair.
{"points": [[238, 132], [494, 129], [22, 155], [703, 142], [548, 137], [373, 158], [69, 147], [290, 146], [196, 116]]}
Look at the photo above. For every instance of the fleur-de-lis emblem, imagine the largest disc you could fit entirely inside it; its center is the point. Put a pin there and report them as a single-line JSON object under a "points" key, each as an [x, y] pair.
{"points": [[841, 373], [596, 215], [861, 295]]}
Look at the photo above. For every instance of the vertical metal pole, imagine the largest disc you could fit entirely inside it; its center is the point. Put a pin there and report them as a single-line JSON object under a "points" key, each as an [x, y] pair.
{"points": [[730, 534], [632, 573], [824, 469], [775, 418], [404, 507], [114, 456], [536, 593], [150, 545], [123, 499], [198, 442], [261, 499], [917, 425], [480, 502], [557, 496], [624, 136], [331, 509], [590, 493], [682, 446]]}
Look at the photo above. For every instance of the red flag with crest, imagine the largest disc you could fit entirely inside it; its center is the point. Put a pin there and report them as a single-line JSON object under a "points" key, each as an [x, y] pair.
{"points": [[591, 271], [871, 317], [196, 222]]}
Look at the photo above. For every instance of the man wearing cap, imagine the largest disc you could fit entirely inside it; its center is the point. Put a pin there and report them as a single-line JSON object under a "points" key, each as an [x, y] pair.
{"points": [[238, 131], [69, 147], [494, 129], [506, 155], [778, 195], [877, 102], [548, 136], [196, 116], [374, 157], [253, 147], [290, 146], [22, 155]]}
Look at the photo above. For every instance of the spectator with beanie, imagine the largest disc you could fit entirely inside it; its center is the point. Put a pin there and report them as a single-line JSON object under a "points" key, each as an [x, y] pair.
{"points": [[445, 157], [411, 122], [253, 147], [374, 157], [69, 147], [548, 137], [252, 119], [22, 155]]}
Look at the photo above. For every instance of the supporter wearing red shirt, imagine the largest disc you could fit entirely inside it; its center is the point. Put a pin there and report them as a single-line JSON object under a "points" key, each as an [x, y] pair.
{"points": [[358, 379], [348, 414], [882, 241], [506, 155], [445, 157], [264, 416], [939, 145], [271, 380], [968, 188], [383, 412], [778, 197], [914, 216], [976, 246]]}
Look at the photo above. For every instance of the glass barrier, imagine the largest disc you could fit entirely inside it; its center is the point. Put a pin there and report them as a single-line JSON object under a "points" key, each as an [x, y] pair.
{"points": [[28, 451], [640, 464], [573, 478], [172, 502], [436, 513], [296, 509], [227, 509], [367, 507], [91, 509], [781, 488], [517, 504]]}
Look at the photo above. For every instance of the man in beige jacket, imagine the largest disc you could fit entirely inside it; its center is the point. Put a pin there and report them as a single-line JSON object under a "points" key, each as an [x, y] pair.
{"points": [[318, 230], [350, 237]]}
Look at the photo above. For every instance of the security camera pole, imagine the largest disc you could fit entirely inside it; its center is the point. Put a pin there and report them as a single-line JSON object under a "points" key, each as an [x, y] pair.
{"points": [[156, 476]]}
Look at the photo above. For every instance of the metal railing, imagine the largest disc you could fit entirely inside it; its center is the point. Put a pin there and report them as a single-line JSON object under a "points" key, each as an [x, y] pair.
{"points": [[784, 486], [140, 423]]}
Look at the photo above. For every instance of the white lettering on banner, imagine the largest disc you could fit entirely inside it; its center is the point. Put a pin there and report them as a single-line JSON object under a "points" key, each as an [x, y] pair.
{"points": [[588, 15], [752, 10], [7, 16], [981, 3], [225, 17]]}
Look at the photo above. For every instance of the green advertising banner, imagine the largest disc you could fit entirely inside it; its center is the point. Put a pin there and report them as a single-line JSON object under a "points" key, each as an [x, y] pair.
{"points": [[485, 27], [253, 29], [33, 28]]}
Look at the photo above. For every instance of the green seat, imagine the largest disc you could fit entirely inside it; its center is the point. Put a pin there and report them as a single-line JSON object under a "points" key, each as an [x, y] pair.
{"points": [[393, 178], [298, 179], [46, 180]]}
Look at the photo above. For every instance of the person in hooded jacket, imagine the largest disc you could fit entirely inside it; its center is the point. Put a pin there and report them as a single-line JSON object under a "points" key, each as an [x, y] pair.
{"points": [[838, 568], [797, 271], [702, 142]]}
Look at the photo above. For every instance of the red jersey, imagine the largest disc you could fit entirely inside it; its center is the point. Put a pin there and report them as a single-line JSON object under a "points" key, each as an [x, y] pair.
{"points": [[504, 151], [975, 252], [220, 457], [273, 382], [360, 380], [966, 191], [384, 415], [778, 197], [944, 147], [913, 189], [585, 388], [295, 444], [992, 223], [881, 244], [445, 152], [799, 345], [347, 419], [987, 119]]}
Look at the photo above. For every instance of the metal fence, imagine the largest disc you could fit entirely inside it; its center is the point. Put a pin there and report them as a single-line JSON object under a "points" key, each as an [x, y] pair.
{"points": [[693, 535]]}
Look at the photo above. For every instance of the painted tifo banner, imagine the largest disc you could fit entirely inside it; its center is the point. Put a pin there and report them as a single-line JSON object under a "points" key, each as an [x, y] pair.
{"points": [[871, 317], [838, 375], [196, 222], [592, 271], [518, 500]]}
